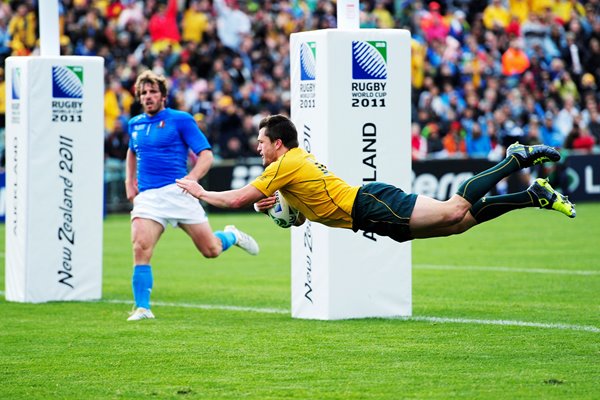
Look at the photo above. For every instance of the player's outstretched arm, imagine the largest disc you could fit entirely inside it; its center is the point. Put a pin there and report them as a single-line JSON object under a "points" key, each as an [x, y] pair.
{"points": [[191, 186], [227, 199]]}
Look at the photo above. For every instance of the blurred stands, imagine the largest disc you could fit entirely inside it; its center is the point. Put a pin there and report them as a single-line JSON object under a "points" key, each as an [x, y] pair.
{"points": [[483, 73]]}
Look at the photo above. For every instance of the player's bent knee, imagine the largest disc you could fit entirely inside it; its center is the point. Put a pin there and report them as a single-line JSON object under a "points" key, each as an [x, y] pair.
{"points": [[454, 211], [457, 216], [141, 246], [212, 252], [142, 250], [452, 217]]}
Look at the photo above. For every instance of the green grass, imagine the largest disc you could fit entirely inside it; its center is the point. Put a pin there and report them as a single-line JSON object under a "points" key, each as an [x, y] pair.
{"points": [[500, 271]]}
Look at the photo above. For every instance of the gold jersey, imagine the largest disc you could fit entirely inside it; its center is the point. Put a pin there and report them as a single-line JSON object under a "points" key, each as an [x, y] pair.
{"points": [[309, 187]]}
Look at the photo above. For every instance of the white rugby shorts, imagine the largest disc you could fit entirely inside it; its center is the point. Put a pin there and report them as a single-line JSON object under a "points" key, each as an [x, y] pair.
{"points": [[168, 205]]}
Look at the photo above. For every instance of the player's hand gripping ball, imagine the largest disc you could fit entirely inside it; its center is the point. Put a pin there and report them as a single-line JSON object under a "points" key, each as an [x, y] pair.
{"points": [[282, 213]]}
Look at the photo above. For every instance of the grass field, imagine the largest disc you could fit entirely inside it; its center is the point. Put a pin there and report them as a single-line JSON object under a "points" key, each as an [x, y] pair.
{"points": [[509, 310]]}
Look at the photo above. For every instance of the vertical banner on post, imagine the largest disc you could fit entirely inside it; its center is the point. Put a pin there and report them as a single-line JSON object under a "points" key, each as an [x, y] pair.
{"points": [[351, 106], [54, 173]]}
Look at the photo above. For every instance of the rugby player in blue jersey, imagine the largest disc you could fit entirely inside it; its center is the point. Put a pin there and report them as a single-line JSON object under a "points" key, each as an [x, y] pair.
{"points": [[159, 142]]}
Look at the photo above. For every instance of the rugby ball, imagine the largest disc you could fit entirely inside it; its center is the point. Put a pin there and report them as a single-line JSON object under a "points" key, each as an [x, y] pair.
{"points": [[282, 213]]}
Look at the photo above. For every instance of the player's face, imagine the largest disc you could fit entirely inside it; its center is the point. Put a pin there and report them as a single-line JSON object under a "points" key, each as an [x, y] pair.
{"points": [[266, 148], [152, 100]]}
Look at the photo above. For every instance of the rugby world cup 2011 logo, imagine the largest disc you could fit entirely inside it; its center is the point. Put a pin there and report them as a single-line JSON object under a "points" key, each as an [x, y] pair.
{"points": [[15, 96], [308, 61], [369, 60], [67, 82], [16, 84]]}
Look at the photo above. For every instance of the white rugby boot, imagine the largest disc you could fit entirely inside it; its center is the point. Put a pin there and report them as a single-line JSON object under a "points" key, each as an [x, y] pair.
{"points": [[140, 313], [243, 240]]}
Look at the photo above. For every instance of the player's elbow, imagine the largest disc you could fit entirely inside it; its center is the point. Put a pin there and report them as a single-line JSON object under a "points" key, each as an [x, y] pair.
{"points": [[239, 198], [206, 156]]}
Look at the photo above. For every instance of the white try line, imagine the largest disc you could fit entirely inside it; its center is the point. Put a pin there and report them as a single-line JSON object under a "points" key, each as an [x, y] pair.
{"points": [[435, 320], [444, 320], [506, 269]]}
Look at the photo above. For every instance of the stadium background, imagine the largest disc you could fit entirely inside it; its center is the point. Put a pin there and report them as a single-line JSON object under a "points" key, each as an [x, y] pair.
{"points": [[484, 74], [498, 312]]}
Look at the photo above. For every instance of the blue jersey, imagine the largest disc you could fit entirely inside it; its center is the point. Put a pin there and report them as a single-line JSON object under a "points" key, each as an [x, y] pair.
{"points": [[161, 144]]}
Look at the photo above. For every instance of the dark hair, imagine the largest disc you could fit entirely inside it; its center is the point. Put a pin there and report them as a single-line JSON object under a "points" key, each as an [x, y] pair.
{"points": [[280, 127], [151, 78]]}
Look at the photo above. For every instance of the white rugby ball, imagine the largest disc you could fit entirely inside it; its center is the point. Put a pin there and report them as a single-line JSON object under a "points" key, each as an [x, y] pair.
{"points": [[282, 213]]}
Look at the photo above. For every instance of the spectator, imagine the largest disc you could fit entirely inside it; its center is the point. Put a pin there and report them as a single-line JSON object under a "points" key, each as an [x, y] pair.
{"points": [[495, 16], [592, 58], [519, 9], [238, 72], [433, 24], [510, 132], [536, 32], [514, 61], [478, 144], [86, 47], [454, 141], [418, 143], [163, 28], [564, 59], [549, 135], [195, 22], [571, 54], [594, 123], [114, 9], [435, 146], [117, 103], [228, 124], [116, 142], [5, 48], [565, 87], [564, 10], [513, 29], [580, 139], [22, 30], [566, 116], [459, 26], [132, 15], [382, 15], [249, 130], [232, 24]]}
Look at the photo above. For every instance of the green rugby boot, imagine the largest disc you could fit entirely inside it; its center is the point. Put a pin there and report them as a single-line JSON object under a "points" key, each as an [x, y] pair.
{"points": [[550, 199], [532, 155]]}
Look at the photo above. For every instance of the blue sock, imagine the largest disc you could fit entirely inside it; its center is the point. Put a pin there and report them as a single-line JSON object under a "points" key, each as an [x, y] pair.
{"points": [[227, 238], [142, 282]]}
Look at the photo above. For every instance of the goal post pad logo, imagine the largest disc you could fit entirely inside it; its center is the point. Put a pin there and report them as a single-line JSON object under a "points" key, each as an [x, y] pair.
{"points": [[67, 82], [369, 59], [308, 61]]}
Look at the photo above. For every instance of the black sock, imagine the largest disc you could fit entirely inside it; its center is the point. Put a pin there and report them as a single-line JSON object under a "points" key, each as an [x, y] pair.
{"points": [[477, 186], [494, 206]]}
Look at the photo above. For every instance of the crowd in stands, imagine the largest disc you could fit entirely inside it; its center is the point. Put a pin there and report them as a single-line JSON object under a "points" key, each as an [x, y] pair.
{"points": [[484, 74], [488, 74]]}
